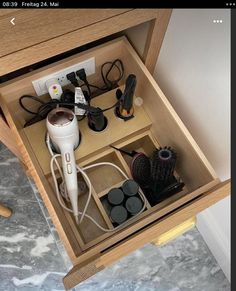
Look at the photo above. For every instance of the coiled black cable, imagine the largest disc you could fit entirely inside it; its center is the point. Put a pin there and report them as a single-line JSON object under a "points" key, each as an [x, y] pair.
{"points": [[46, 107], [109, 84]]}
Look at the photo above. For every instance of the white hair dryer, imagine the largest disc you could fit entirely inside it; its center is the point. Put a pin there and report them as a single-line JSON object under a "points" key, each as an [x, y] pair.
{"points": [[63, 131]]}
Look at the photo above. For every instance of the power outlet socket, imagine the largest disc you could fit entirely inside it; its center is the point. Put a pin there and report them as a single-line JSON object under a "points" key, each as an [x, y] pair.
{"points": [[40, 84]]}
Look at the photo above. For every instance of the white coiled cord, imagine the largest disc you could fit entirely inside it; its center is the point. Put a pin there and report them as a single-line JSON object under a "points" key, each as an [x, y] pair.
{"points": [[62, 192]]}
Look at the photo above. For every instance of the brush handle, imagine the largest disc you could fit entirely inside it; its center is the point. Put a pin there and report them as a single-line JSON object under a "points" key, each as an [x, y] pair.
{"points": [[132, 154]]}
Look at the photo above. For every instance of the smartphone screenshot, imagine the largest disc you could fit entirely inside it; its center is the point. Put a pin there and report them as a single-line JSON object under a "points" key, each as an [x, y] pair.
{"points": [[115, 146]]}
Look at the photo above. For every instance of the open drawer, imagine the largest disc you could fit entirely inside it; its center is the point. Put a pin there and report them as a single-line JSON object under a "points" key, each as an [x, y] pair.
{"points": [[155, 124]]}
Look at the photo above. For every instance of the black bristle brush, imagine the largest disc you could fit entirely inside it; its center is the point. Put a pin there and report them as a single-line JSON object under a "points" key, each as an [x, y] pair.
{"points": [[140, 167], [163, 163]]}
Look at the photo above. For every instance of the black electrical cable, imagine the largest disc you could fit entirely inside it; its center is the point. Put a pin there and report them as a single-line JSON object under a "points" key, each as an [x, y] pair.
{"points": [[46, 107], [29, 97], [89, 90], [109, 84], [96, 87]]}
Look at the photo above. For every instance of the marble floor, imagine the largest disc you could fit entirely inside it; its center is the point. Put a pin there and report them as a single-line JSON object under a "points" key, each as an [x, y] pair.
{"points": [[32, 256]]}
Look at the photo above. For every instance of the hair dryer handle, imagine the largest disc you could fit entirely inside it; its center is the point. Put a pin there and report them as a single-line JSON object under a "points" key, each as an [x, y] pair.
{"points": [[70, 175]]}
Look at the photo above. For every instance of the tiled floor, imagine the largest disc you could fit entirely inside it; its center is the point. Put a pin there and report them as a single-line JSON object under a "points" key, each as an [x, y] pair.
{"points": [[33, 258]]}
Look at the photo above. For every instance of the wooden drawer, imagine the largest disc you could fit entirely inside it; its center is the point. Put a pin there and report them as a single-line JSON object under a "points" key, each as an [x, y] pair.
{"points": [[43, 34], [155, 124], [35, 26]]}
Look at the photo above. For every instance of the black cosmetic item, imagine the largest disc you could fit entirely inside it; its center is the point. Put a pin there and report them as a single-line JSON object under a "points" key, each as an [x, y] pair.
{"points": [[96, 119], [118, 214], [133, 205], [173, 188], [125, 108], [115, 196], [140, 167], [130, 187]]}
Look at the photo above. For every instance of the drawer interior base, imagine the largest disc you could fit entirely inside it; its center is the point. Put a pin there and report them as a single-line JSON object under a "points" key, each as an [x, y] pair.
{"points": [[129, 135]]}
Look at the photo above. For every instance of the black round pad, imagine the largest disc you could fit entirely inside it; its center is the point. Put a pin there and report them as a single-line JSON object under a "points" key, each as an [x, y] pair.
{"points": [[115, 196], [118, 214], [133, 205], [130, 187]]}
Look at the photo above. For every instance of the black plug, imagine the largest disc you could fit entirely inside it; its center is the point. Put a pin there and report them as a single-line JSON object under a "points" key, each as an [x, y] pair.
{"points": [[72, 78], [68, 97], [83, 77]]}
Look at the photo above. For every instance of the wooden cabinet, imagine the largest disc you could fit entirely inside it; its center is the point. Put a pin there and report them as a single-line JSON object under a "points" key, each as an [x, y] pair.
{"points": [[155, 124], [42, 34]]}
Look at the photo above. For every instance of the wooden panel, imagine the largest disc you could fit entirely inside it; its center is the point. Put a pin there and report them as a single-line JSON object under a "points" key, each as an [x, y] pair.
{"points": [[83, 271], [8, 12], [155, 38], [74, 39], [34, 26]]}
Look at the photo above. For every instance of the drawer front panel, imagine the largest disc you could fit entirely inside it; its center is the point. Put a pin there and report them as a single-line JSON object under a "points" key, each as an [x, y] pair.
{"points": [[17, 54], [34, 26]]}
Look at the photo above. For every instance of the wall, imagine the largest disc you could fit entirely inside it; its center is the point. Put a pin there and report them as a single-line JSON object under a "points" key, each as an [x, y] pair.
{"points": [[193, 70]]}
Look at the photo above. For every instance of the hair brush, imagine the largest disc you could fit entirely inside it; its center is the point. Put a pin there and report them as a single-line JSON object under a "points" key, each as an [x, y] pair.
{"points": [[140, 167], [163, 163]]}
